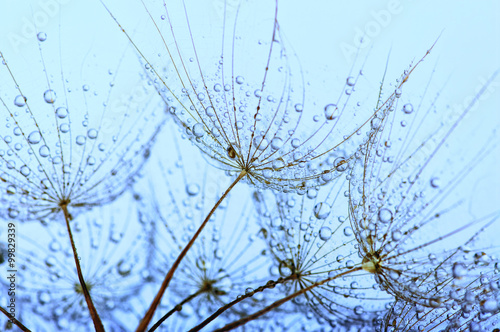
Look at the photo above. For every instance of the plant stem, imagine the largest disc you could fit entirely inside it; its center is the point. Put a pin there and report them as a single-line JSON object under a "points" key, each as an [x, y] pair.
{"points": [[270, 284], [14, 320], [174, 309], [93, 312], [276, 304], [143, 325]]}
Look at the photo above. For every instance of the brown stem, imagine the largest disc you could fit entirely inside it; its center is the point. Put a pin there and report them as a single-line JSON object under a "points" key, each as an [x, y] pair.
{"points": [[174, 309], [14, 320], [93, 312], [143, 325], [276, 304], [270, 284]]}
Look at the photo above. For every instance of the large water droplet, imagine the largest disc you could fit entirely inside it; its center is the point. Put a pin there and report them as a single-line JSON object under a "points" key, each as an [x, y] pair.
{"points": [[240, 79], [384, 215], [20, 101], [61, 112], [44, 151], [80, 139], [408, 108], [459, 270], [92, 133], [34, 137], [198, 130], [331, 111], [322, 210], [49, 96], [325, 233], [42, 36], [276, 143], [192, 189]]}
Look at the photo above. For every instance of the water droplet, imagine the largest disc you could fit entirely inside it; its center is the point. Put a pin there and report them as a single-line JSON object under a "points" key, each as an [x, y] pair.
{"points": [[13, 213], [201, 96], [408, 108], [198, 130], [490, 305], [325, 233], [276, 222], [459, 270], [348, 231], [210, 111], [80, 139], [25, 170], [44, 151], [34, 137], [64, 128], [192, 189], [384, 215], [20, 101], [278, 164], [299, 107], [358, 310], [240, 79], [435, 182], [124, 268], [61, 112], [349, 264], [375, 123], [322, 210], [350, 81], [217, 87], [396, 235], [92, 133], [49, 96], [331, 111], [44, 297], [276, 143], [42, 36], [398, 93]]}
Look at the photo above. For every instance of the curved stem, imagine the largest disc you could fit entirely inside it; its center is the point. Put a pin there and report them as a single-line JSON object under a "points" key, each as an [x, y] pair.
{"points": [[174, 309], [14, 320], [93, 312], [143, 325], [268, 285], [276, 304]]}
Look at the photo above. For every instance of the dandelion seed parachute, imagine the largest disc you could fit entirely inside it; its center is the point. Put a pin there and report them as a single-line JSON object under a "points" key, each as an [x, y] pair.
{"points": [[70, 138], [472, 307], [310, 239], [408, 212], [237, 89]]}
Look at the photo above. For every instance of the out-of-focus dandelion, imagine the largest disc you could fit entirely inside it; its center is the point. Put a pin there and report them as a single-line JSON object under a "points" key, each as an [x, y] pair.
{"points": [[112, 260], [65, 142]]}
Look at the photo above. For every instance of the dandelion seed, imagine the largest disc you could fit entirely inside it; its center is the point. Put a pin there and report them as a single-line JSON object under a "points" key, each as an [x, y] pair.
{"points": [[253, 112], [397, 219], [311, 244]]}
